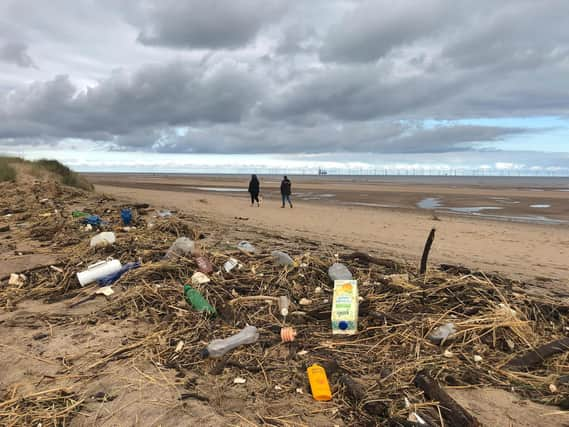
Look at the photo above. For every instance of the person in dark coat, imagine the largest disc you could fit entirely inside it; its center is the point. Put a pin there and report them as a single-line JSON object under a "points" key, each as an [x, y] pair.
{"points": [[254, 189], [286, 191]]}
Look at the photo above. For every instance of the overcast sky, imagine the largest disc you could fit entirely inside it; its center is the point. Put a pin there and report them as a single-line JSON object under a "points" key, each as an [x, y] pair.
{"points": [[432, 82]]}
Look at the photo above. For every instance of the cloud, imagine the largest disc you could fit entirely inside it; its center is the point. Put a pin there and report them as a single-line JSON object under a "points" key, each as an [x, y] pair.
{"points": [[210, 24], [156, 95], [16, 53]]}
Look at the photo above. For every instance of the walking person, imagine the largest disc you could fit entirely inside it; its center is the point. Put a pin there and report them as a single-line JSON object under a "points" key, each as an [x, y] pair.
{"points": [[286, 191], [254, 189]]}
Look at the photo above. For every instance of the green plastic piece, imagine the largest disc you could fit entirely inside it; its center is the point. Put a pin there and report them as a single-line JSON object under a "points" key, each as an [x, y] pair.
{"points": [[197, 301], [79, 214]]}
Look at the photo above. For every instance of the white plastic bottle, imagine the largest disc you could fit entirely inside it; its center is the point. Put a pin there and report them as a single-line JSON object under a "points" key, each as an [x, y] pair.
{"points": [[339, 271], [217, 348]]}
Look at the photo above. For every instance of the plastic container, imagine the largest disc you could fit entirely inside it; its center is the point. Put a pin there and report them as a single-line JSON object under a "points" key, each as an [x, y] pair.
{"points": [[282, 258], [345, 307], [339, 271], [98, 270], [246, 247], [442, 333], [217, 348], [197, 301], [288, 334], [180, 248], [113, 277], [284, 304], [230, 264], [106, 238], [126, 216], [319, 383], [204, 265]]}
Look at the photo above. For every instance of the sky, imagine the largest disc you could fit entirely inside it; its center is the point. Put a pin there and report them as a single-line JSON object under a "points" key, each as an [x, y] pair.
{"points": [[234, 85]]}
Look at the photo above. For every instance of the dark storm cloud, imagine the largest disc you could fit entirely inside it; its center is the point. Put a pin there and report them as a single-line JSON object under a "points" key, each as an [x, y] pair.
{"points": [[206, 24], [16, 53], [168, 95]]}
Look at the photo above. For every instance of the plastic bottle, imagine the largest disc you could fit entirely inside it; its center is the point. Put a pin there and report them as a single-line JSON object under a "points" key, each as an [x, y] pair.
{"points": [[126, 216], [98, 270], [197, 301], [181, 247], [282, 258], [113, 277], [319, 383], [217, 348], [106, 238], [284, 304], [339, 271], [246, 247]]}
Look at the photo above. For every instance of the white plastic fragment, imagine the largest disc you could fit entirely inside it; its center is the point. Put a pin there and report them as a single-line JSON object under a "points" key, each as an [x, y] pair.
{"points": [[477, 358], [239, 380], [179, 346]]}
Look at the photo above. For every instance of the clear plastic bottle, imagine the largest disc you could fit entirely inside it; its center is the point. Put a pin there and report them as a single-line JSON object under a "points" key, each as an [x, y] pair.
{"points": [[217, 348], [284, 304], [282, 258], [339, 271], [181, 247], [443, 333]]}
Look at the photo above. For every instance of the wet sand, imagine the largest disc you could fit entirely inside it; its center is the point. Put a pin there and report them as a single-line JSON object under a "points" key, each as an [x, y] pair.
{"points": [[383, 216]]}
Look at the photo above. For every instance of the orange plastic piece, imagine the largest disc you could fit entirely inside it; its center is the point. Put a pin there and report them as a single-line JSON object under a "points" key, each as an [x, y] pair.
{"points": [[288, 334], [319, 383]]}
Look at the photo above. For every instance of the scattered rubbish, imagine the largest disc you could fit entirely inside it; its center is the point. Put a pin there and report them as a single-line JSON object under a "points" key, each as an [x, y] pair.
{"points": [[92, 220], [553, 388], [305, 301], [16, 279], [181, 247], [299, 390], [106, 238], [179, 346], [197, 301], [105, 290], [288, 334], [302, 353], [204, 265], [345, 307], [113, 277], [239, 380], [198, 278], [79, 214], [217, 348], [282, 258], [338, 271], [230, 264], [247, 247], [54, 268], [416, 418], [319, 383], [477, 358], [164, 213], [88, 227], [442, 334], [126, 216], [284, 304], [98, 270]]}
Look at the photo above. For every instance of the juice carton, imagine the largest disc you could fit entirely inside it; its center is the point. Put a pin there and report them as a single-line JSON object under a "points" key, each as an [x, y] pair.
{"points": [[345, 307]]}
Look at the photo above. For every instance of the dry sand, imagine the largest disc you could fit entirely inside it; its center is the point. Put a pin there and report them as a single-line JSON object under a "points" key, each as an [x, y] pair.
{"points": [[534, 252]]}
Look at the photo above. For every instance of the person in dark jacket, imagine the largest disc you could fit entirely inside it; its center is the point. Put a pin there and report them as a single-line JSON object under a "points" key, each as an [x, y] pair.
{"points": [[254, 189], [286, 191]]}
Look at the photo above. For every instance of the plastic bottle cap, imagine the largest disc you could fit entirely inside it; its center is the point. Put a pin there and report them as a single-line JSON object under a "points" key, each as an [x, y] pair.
{"points": [[343, 325], [204, 353]]}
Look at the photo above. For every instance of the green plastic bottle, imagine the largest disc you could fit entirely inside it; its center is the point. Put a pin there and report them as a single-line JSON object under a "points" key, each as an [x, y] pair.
{"points": [[79, 214], [197, 301]]}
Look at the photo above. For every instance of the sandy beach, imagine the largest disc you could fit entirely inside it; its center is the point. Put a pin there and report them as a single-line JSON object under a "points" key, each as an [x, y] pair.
{"points": [[383, 216]]}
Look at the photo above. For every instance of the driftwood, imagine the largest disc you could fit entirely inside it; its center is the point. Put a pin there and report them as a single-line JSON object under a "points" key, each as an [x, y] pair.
{"points": [[535, 357], [426, 251], [453, 413]]}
